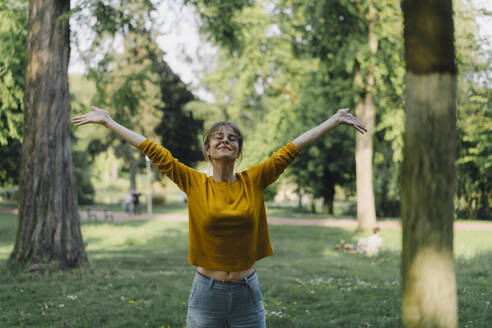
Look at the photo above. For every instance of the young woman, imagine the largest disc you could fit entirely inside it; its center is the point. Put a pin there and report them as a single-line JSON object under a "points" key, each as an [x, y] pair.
{"points": [[228, 230]]}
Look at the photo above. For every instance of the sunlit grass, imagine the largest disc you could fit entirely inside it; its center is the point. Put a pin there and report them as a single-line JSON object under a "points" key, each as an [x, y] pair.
{"points": [[118, 236], [139, 277]]}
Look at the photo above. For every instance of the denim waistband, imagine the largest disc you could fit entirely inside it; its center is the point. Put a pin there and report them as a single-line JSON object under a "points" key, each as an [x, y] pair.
{"points": [[243, 281], [240, 281]]}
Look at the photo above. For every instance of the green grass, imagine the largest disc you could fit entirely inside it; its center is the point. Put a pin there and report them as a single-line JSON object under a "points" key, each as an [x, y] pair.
{"points": [[139, 277]]}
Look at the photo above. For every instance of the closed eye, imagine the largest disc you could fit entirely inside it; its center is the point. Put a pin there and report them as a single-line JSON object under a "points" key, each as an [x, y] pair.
{"points": [[230, 137]]}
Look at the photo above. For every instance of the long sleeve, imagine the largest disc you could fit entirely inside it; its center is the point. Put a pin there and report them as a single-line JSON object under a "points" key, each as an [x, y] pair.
{"points": [[269, 171], [183, 176]]}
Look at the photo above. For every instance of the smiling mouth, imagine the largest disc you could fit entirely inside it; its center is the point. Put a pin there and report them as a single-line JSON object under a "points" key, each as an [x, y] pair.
{"points": [[226, 148]]}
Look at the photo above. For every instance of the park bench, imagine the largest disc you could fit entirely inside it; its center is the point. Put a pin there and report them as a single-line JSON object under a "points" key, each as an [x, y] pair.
{"points": [[105, 214]]}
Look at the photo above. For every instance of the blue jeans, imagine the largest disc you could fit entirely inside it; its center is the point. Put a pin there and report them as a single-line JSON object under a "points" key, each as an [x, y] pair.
{"points": [[217, 304]]}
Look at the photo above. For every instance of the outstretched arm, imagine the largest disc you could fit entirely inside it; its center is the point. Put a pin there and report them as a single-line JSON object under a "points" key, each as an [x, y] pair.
{"points": [[342, 116], [101, 116]]}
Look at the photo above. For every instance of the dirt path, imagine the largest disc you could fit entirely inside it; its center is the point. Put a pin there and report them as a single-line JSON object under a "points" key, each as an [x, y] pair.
{"points": [[350, 223]]}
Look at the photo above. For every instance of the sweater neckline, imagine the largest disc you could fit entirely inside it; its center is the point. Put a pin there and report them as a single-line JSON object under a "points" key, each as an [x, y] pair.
{"points": [[225, 183]]}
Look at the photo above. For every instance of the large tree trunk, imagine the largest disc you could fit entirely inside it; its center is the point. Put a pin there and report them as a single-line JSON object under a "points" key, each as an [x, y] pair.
{"points": [[366, 112], [48, 221], [428, 177]]}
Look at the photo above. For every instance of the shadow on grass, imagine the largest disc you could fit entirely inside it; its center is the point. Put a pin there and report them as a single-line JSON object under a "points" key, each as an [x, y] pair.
{"points": [[129, 223], [168, 208]]}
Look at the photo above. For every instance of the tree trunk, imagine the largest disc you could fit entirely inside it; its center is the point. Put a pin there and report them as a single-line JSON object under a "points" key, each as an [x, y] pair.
{"points": [[328, 199], [328, 206], [366, 112], [48, 220], [133, 166], [313, 206], [366, 211], [299, 197], [428, 176]]}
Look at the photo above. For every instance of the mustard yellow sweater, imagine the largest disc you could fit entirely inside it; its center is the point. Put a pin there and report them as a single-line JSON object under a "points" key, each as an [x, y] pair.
{"points": [[227, 221]]}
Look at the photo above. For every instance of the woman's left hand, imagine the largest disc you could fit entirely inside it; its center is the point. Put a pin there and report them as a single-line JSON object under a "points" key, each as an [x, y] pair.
{"points": [[344, 117]]}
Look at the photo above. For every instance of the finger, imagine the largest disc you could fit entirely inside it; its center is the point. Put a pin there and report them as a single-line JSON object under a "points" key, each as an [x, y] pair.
{"points": [[78, 119], [359, 123], [345, 110], [359, 129], [361, 126]]}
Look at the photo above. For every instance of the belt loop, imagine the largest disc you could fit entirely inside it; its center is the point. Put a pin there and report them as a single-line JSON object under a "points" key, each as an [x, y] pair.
{"points": [[250, 289], [249, 277], [211, 283], [251, 292]]}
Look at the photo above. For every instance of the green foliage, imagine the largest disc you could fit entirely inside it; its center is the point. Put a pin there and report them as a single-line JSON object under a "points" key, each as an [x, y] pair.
{"points": [[10, 158], [138, 87], [284, 66], [108, 18], [386, 173], [13, 34], [178, 129], [294, 68], [82, 172], [337, 32], [474, 122], [331, 161], [219, 18], [474, 164]]}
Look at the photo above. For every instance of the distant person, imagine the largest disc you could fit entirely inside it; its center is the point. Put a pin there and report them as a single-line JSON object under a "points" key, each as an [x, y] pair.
{"points": [[136, 202], [228, 231], [127, 202], [370, 245]]}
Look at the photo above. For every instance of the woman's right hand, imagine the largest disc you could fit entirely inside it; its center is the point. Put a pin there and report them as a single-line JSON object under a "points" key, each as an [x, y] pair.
{"points": [[96, 115]]}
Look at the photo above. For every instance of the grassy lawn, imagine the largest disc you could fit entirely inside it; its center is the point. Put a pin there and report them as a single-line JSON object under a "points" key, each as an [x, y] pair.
{"points": [[139, 277]]}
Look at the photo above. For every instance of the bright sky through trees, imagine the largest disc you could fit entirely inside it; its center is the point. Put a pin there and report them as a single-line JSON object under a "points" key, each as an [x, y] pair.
{"points": [[188, 55]]}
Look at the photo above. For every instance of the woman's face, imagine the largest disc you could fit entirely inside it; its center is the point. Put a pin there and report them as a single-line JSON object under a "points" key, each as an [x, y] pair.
{"points": [[224, 145]]}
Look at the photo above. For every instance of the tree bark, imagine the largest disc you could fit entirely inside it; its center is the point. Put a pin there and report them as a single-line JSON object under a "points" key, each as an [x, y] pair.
{"points": [[132, 162], [48, 220], [299, 197], [328, 199], [366, 112], [366, 210], [428, 175]]}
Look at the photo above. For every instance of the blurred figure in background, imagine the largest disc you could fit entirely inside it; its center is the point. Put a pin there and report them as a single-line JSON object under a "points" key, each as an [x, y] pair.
{"points": [[370, 245], [136, 201], [127, 202]]}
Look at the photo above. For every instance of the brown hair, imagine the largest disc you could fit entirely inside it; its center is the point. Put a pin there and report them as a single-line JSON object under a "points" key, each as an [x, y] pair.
{"points": [[218, 125]]}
